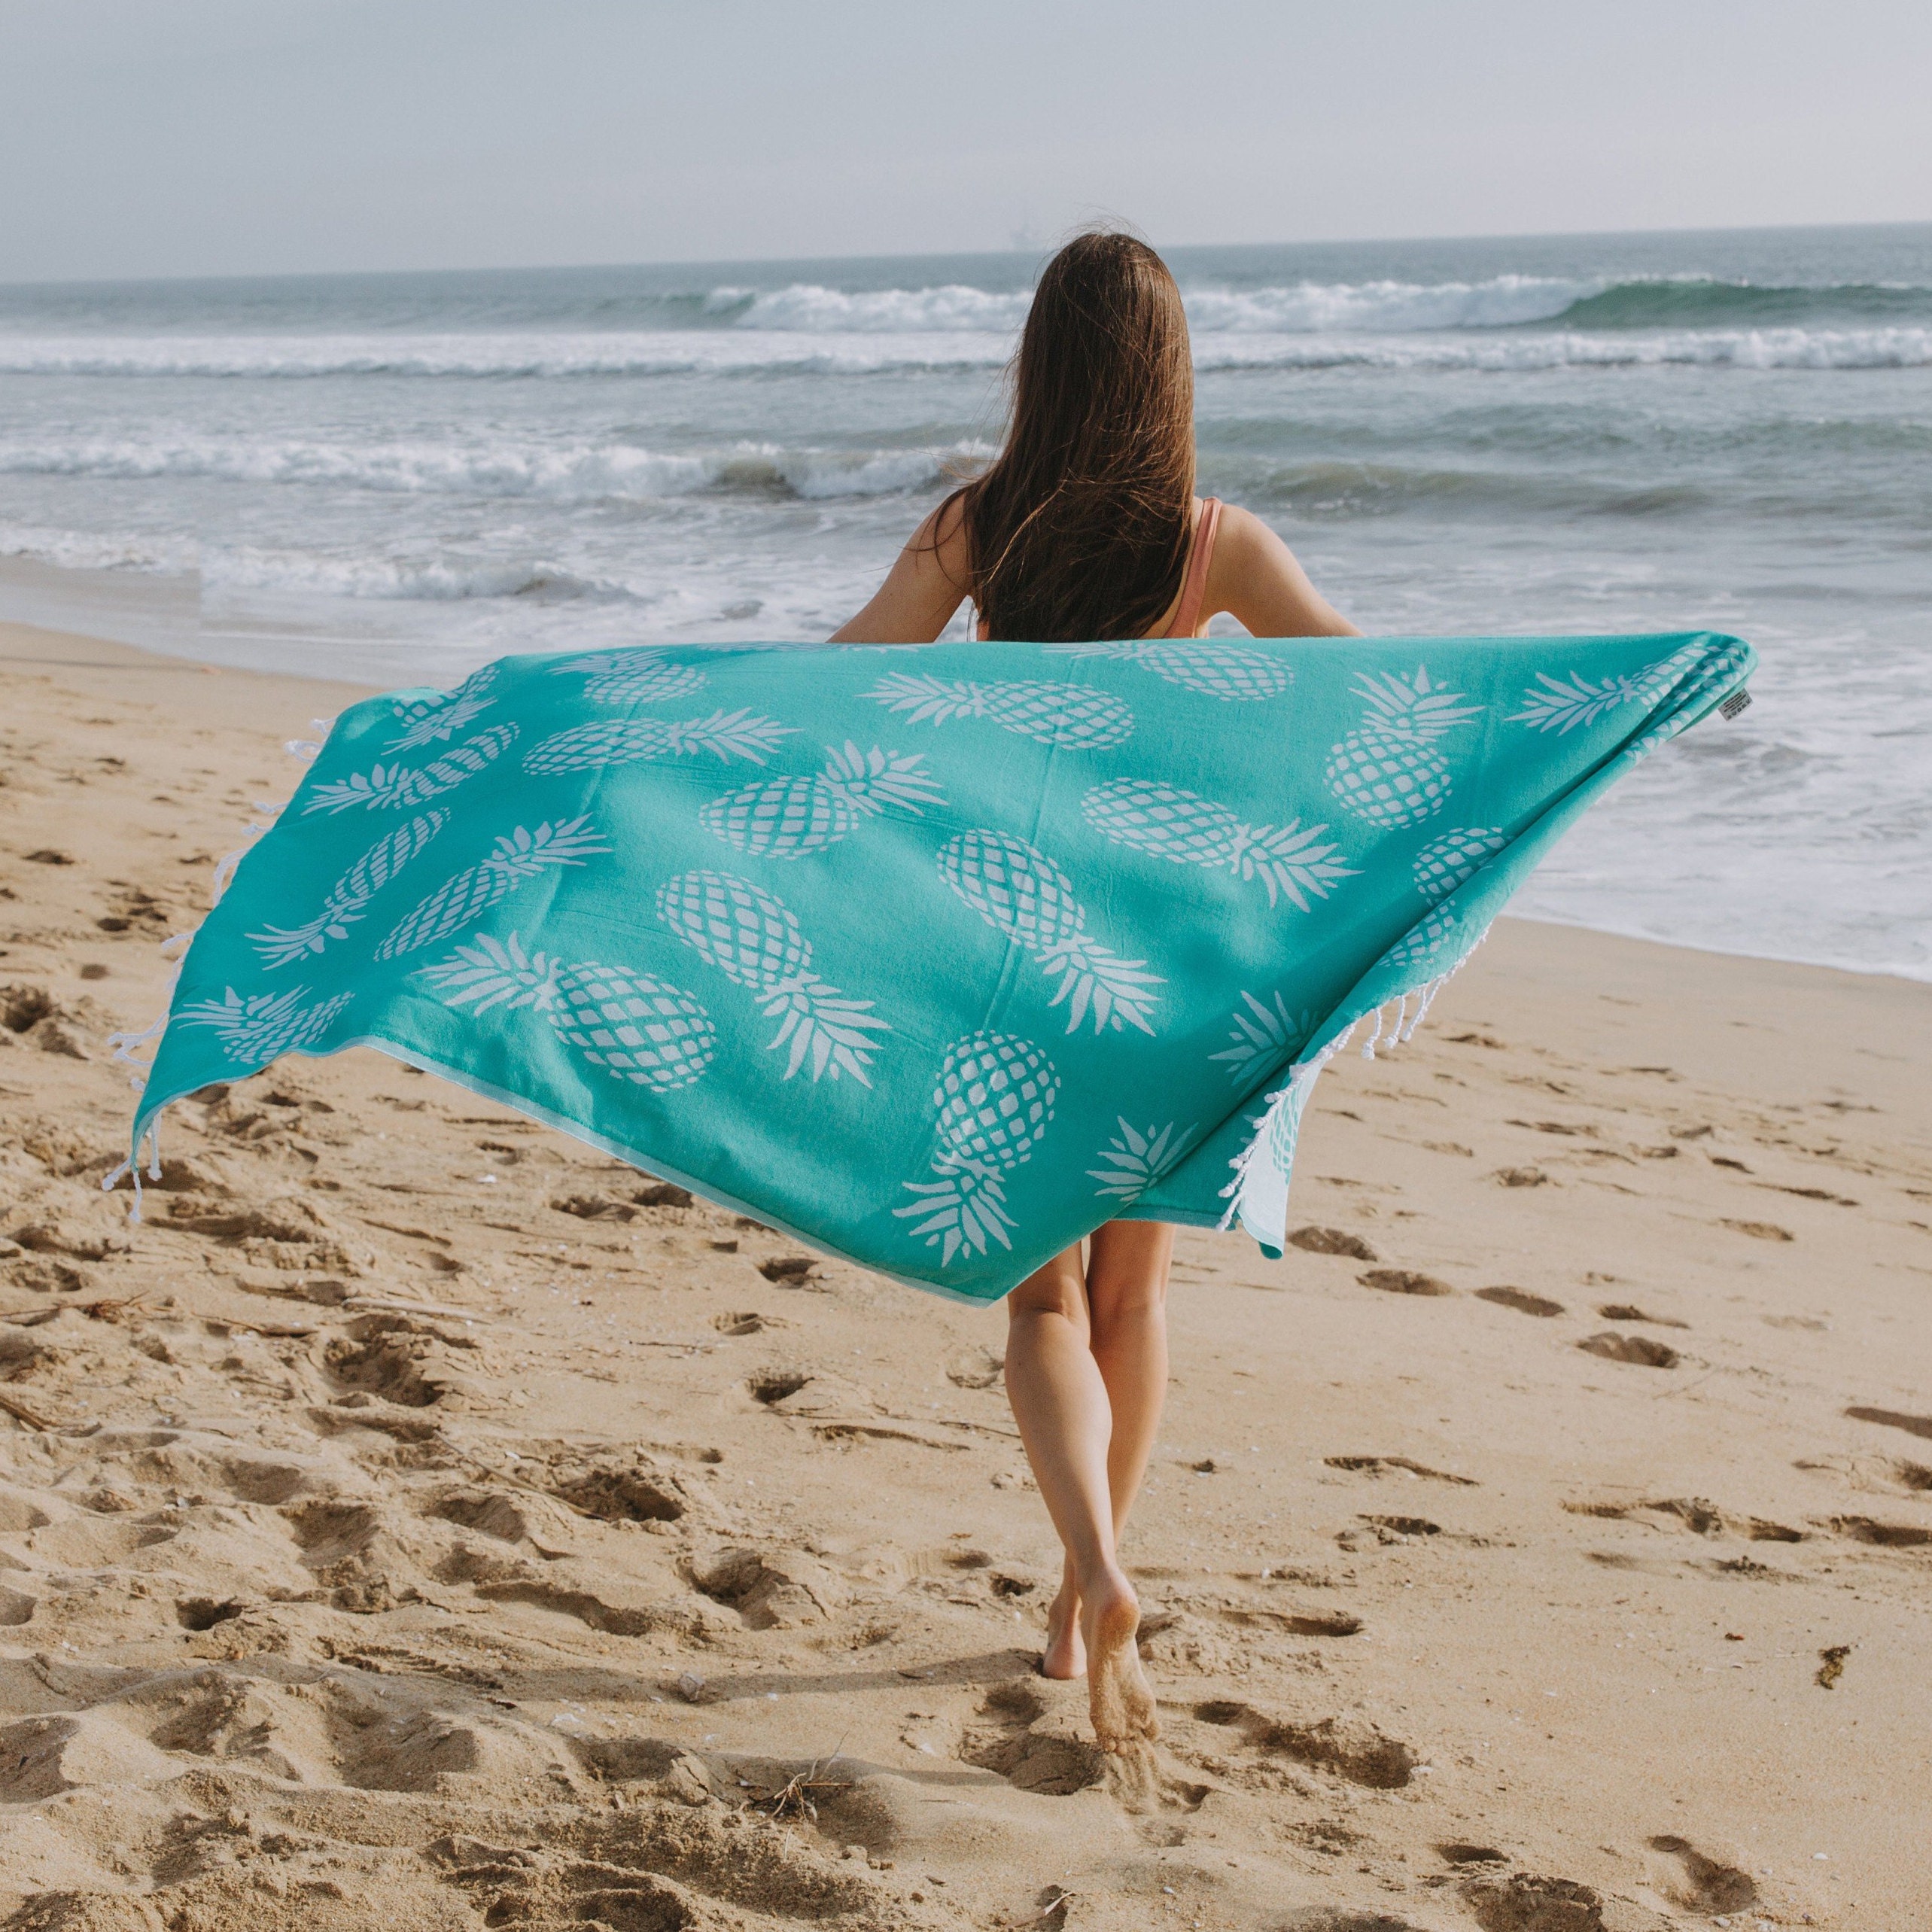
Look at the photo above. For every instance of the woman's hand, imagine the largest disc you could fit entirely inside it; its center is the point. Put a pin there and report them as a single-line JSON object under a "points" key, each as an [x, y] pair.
{"points": [[923, 589]]}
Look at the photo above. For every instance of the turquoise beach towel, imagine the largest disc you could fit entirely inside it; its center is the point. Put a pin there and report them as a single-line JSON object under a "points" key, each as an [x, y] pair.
{"points": [[936, 957]]}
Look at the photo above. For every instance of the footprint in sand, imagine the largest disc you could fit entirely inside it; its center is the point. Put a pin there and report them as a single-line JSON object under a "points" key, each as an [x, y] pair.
{"points": [[1350, 1749], [1521, 1300], [790, 1270], [1332, 1241], [1526, 1903], [1403, 1526], [1702, 1883], [1030, 1734], [1374, 1464], [979, 1366], [1625, 1311], [1404, 1280], [1884, 1535], [1456, 1852], [1640, 1349]]}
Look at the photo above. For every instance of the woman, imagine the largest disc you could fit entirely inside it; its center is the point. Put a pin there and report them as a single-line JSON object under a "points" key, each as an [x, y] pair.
{"points": [[1087, 528]]}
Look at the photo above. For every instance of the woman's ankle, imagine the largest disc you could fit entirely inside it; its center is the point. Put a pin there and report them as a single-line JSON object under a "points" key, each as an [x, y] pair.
{"points": [[1105, 1585]]}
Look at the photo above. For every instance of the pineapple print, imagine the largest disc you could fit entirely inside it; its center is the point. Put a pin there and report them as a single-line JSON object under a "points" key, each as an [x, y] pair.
{"points": [[1181, 827], [1425, 943], [1136, 1160], [787, 818], [388, 787], [1388, 769], [631, 1025], [994, 1098], [632, 677], [436, 720], [520, 857], [753, 939], [265, 1025], [1445, 861], [1562, 705], [1235, 673], [726, 735], [1058, 714], [1717, 672], [349, 896], [1261, 1037], [1020, 893]]}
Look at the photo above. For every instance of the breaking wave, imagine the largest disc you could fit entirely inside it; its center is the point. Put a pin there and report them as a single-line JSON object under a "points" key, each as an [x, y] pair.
{"points": [[1239, 345], [579, 473]]}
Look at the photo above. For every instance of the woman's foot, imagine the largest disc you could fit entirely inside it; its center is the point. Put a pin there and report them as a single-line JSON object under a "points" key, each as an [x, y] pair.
{"points": [[1066, 1655], [1118, 1699]]}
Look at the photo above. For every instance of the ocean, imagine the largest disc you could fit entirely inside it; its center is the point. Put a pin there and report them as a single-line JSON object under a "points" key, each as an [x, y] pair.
{"points": [[393, 478]]}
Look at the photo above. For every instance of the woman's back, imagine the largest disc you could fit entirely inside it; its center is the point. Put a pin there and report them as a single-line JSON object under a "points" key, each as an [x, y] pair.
{"points": [[1183, 618]]}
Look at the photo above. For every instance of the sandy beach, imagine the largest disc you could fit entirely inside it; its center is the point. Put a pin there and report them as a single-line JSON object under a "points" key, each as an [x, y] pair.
{"points": [[421, 1520]]}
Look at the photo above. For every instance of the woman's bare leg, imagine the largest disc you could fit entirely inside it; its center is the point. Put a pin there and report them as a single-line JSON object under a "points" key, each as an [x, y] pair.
{"points": [[1060, 1401], [1075, 1334], [1127, 1301]]}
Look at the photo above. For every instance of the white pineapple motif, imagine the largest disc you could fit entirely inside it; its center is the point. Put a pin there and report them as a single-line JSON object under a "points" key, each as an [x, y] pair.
{"points": [[1187, 829], [1562, 704], [436, 720], [726, 735], [1453, 857], [1388, 770], [994, 1098], [752, 938], [1059, 714], [1721, 670], [787, 818], [390, 787], [1020, 893], [1136, 1160], [1426, 941], [632, 677], [521, 855], [348, 897], [1235, 673], [265, 1025], [1262, 1037], [635, 1027]]}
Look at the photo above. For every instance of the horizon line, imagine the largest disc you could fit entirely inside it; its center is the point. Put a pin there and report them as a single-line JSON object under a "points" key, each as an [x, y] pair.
{"points": [[949, 254]]}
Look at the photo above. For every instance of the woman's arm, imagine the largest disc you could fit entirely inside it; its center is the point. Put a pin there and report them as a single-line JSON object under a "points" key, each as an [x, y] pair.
{"points": [[921, 591], [1254, 575]]}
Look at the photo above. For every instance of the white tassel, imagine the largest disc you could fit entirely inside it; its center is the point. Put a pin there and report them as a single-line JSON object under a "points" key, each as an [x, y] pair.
{"points": [[1427, 1000], [1397, 1036], [1374, 1039], [132, 1166]]}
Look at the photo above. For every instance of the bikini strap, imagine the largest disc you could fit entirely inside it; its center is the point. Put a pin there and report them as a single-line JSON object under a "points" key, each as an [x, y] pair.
{"points": [[1187, 616]]}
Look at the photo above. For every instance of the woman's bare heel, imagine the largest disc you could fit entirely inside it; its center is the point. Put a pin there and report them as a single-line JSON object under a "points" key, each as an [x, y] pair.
{"points": [[1118, 1699], [1066, 1655]]}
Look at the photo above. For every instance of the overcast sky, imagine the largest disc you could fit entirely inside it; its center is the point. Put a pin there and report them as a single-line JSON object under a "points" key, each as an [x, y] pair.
{"points": [[195, 137]]}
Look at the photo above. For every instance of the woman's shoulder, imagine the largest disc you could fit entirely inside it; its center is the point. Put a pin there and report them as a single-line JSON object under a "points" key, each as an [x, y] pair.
{"points": [[943, 536], [1240, 532], [1245, 547]]}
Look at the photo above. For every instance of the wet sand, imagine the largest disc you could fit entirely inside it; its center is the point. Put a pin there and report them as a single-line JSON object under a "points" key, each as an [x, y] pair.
{"points": [[422, 1519]]}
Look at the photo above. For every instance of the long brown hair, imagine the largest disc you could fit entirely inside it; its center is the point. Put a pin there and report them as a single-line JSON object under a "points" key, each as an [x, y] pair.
{"points": [[1079, 530]]}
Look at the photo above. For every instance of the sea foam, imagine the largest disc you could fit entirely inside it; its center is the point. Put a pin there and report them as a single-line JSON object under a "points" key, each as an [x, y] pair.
{"points": [[579, 472]]}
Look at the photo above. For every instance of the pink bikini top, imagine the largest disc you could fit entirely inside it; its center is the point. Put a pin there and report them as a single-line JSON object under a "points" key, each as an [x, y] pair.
{"points": [[1187, 612]]}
